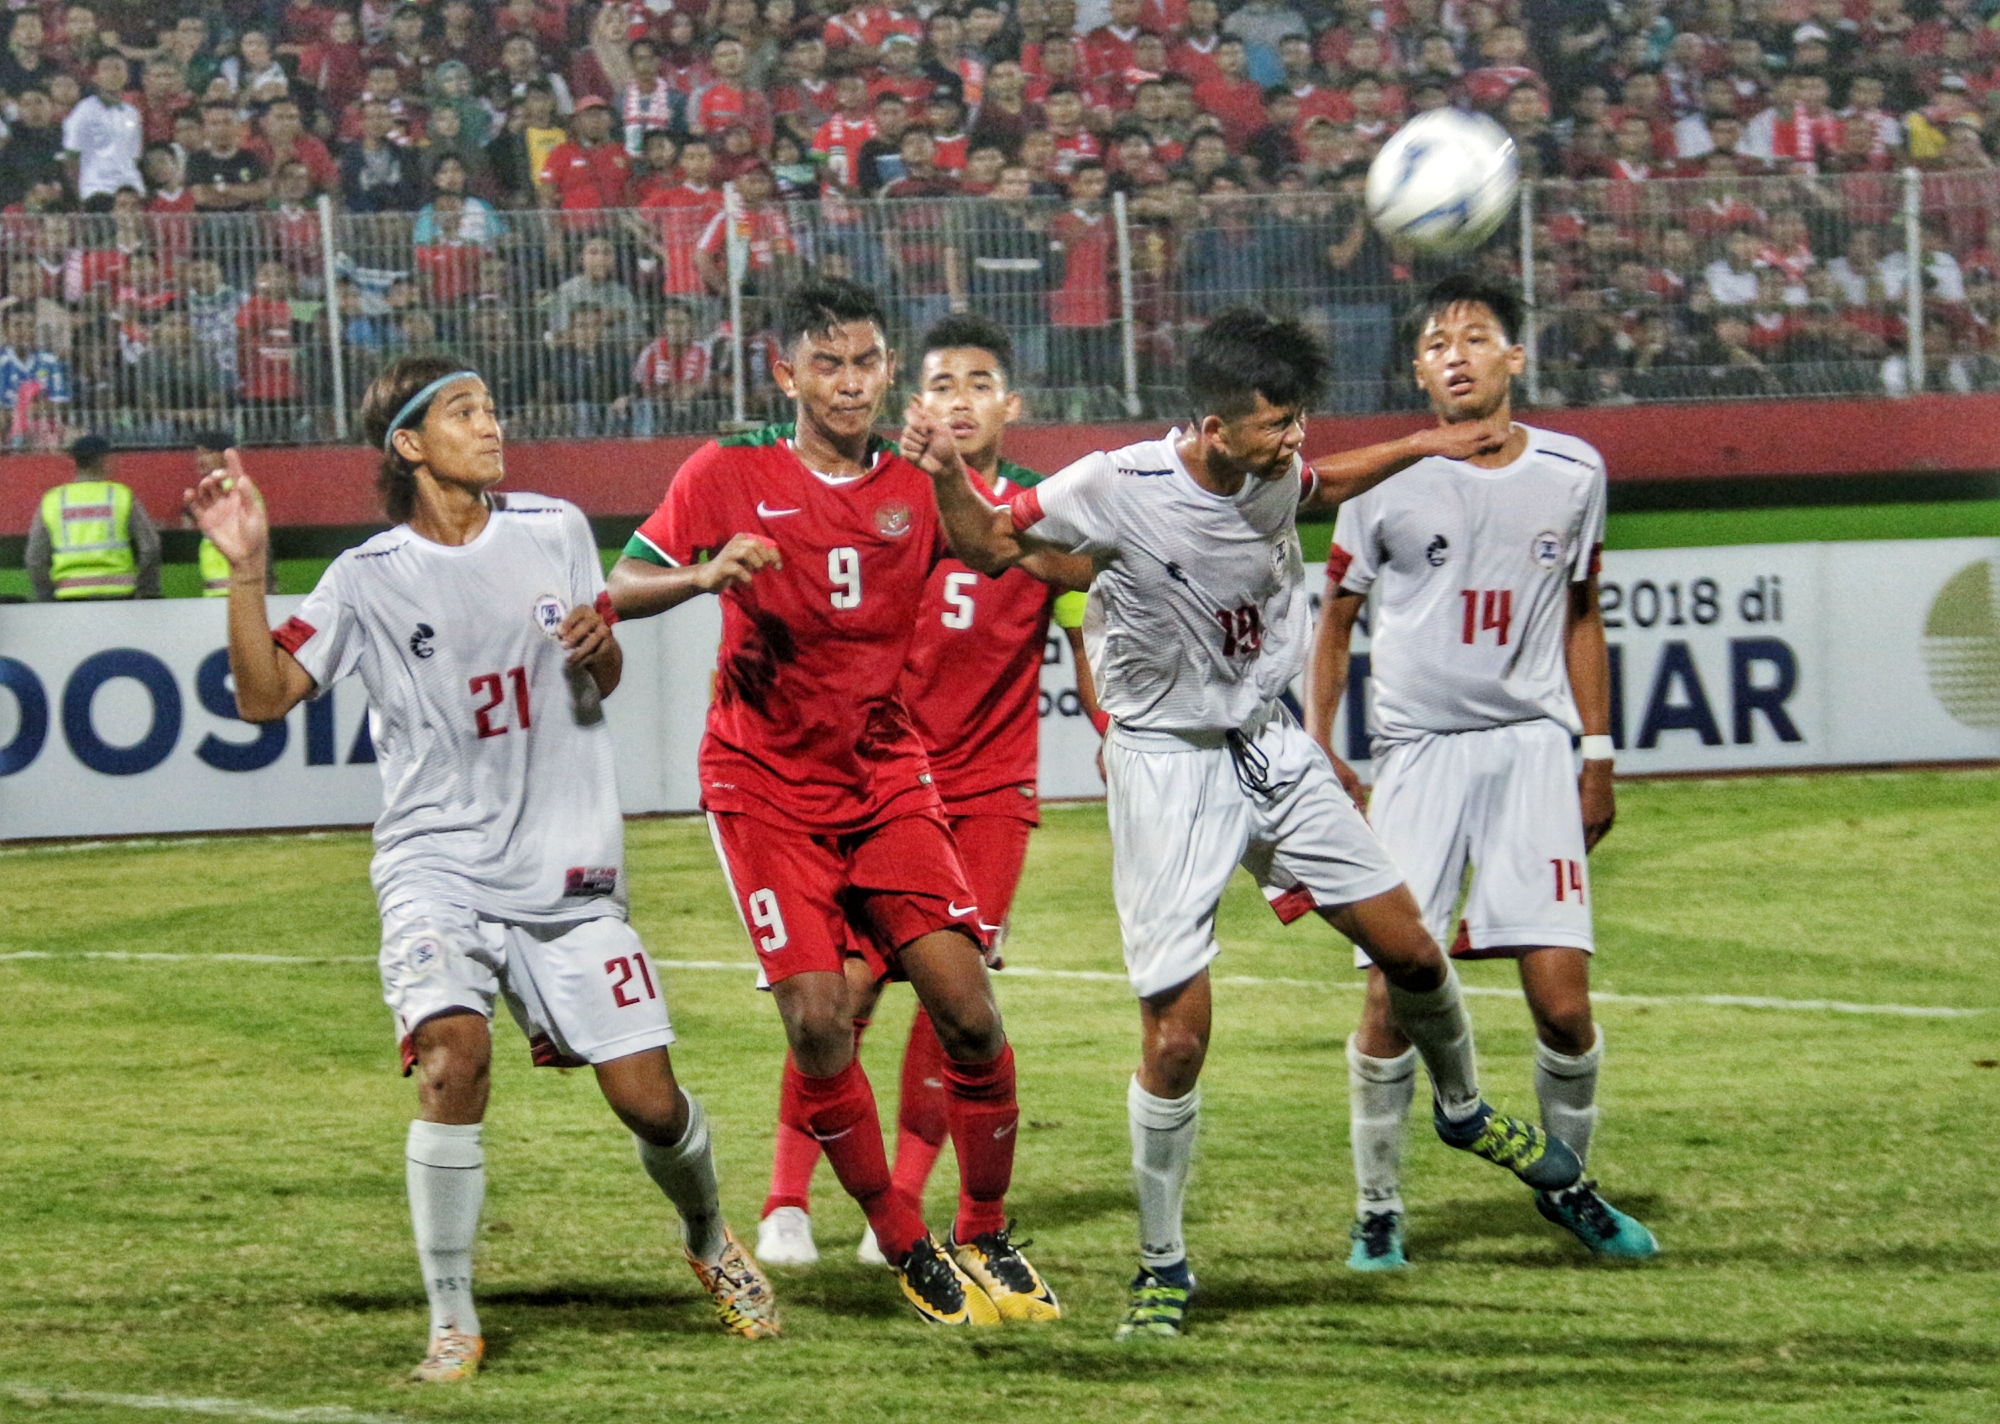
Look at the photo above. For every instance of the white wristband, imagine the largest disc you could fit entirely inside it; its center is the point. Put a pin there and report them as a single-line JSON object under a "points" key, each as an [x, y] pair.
{"points": [[1599, 748]]}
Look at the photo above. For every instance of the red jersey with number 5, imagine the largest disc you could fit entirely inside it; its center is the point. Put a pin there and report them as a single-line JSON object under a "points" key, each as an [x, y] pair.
{"points": [[974, 679], [807, 730]]}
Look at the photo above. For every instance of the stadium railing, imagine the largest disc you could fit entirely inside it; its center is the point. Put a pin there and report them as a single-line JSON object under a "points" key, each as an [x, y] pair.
{"points": [[146, 328]]}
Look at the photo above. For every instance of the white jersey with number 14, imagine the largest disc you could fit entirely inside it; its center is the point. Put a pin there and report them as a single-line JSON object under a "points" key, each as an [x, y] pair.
{"points": [[497, 783], [1471, 569]]}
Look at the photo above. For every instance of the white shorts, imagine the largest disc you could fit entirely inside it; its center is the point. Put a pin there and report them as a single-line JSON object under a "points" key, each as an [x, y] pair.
{"points": [[1182, 821], [1505, 800], [583, 991]]}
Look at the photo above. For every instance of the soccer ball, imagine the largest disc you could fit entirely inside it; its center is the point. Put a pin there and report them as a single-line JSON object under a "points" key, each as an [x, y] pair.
{"points": [[1443, 182]]}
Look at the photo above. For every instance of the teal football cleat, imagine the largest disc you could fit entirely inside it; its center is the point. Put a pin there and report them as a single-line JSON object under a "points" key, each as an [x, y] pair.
{"points": [[1543, 1162], [1597, 1223], [1157, 1309], [1378, 1242]]}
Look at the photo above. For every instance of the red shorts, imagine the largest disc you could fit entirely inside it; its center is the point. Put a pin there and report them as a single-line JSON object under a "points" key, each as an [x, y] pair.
{"points": [[810, 902], [992, 848]]}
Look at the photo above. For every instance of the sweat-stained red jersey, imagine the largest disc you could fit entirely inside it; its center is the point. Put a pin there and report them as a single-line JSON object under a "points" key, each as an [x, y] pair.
{"points": [[807, 730], [974, 680]]}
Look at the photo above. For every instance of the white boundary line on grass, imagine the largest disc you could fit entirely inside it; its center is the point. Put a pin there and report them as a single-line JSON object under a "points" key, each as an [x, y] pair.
{"points": [[1024, 971], [194, 1404]]}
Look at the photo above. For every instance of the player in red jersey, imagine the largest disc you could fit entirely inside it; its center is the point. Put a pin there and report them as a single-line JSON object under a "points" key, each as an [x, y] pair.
{"points": [[820, 541], [973, 688]]}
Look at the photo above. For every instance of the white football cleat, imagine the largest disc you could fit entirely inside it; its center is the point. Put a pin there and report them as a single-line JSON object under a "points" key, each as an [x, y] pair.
{"points": [[869, 1252], [785, 1238]]}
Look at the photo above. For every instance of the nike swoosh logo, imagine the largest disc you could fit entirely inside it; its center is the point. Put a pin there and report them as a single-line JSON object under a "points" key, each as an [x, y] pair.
{"points": [[765, 510], [1002, 1131], [833, 1136], [956, 910]]}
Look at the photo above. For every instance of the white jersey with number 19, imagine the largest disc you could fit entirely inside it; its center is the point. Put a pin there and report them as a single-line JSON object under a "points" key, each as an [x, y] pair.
{"points": [[497, 782], [1198, 614], [1471, 570]]}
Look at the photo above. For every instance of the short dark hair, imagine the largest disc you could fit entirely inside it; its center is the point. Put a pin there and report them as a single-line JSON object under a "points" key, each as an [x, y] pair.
{"points": [[972, 329], [214, 438], [1244, 353], [1464, 289], [822, 303]]}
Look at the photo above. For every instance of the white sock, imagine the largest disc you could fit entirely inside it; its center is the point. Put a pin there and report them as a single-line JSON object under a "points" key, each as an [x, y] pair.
{"points": [[1567, 1091], [1163, 1132], [1379, 1091], [446, 1170], [1437, 1023], [686, 1173]]}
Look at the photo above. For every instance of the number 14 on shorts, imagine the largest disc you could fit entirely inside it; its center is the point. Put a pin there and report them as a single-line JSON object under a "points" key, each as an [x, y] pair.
{"points": [[1569, 878]]}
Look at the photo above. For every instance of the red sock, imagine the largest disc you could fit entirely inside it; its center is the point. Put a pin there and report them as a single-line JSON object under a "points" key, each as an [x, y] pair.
{"points": [[841, 1111], [920, 1118], [983, 1112], [796, 1151]]}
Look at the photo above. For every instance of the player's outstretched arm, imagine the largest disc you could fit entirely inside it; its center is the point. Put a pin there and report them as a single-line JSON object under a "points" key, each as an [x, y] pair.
{"points": [[1326, 683], [640, 590], [1339, 478], [981, 536], [1590, 683], [228, 509]]}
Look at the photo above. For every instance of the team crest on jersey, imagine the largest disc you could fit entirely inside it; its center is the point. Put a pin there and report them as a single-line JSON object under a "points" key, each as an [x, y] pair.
{"points": [[548, 615], [423, 954], [420, 641], [1437, 551], [892, 520], [1547, 548]]}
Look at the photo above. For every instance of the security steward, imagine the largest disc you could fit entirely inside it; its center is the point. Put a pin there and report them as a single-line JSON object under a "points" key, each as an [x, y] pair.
{"points": [[91, 538]]}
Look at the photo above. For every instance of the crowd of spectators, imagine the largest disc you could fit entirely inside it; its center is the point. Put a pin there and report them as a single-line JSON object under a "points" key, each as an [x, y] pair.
{"points": [[542, 182]]}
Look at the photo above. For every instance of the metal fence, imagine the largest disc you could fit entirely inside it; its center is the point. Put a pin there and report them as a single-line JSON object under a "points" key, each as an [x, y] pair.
{"points": [[148, 327]]}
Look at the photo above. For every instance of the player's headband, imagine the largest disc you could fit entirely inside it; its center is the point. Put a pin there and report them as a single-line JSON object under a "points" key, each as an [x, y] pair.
{"points": [[417, 402]]}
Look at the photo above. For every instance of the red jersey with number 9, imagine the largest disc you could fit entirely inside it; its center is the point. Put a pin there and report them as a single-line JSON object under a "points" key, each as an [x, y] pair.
{"points": [[974, 681], [807, 729]]}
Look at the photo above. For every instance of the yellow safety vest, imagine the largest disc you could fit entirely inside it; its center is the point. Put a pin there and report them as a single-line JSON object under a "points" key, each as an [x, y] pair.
{"points": [[214, 571], [90, 531]]}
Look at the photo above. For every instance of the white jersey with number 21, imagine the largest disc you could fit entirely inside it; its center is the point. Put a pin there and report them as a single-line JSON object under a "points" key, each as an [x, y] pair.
{"points": [[1471, 570], [497, 783]]}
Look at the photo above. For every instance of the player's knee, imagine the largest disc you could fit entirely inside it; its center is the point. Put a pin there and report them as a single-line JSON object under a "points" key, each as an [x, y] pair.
{"points": [[1566, 1028], [970, 1033], [1174, 1056], [822, 1038]]}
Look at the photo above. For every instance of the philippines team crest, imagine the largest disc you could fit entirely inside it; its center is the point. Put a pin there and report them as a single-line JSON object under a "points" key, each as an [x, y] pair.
{"points": [[892, 520], [548, 615], [1547, 548]]}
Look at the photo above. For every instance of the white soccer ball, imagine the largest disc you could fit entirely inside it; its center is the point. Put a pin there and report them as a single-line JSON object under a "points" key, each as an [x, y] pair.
{"points": [[1443, 182]]}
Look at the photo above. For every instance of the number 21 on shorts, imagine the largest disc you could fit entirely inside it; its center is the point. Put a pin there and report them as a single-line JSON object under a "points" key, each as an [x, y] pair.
{"points": [[631, 978]]}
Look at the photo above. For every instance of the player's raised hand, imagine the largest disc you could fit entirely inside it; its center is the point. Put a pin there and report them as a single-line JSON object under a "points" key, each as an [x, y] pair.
{"points": [[227, 508], [1463, 440], [928, 442], [741, 559]]}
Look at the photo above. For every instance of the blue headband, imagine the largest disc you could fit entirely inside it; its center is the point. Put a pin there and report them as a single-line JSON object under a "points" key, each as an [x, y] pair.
{"points": [[416, 402]]}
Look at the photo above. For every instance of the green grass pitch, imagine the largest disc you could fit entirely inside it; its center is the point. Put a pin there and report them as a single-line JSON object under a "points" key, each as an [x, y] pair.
{"points": [[201, 1194]]}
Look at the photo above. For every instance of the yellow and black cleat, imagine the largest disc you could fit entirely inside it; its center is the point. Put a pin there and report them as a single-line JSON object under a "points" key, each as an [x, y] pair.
{"points": [[942, 1293], [994, 1262]]}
